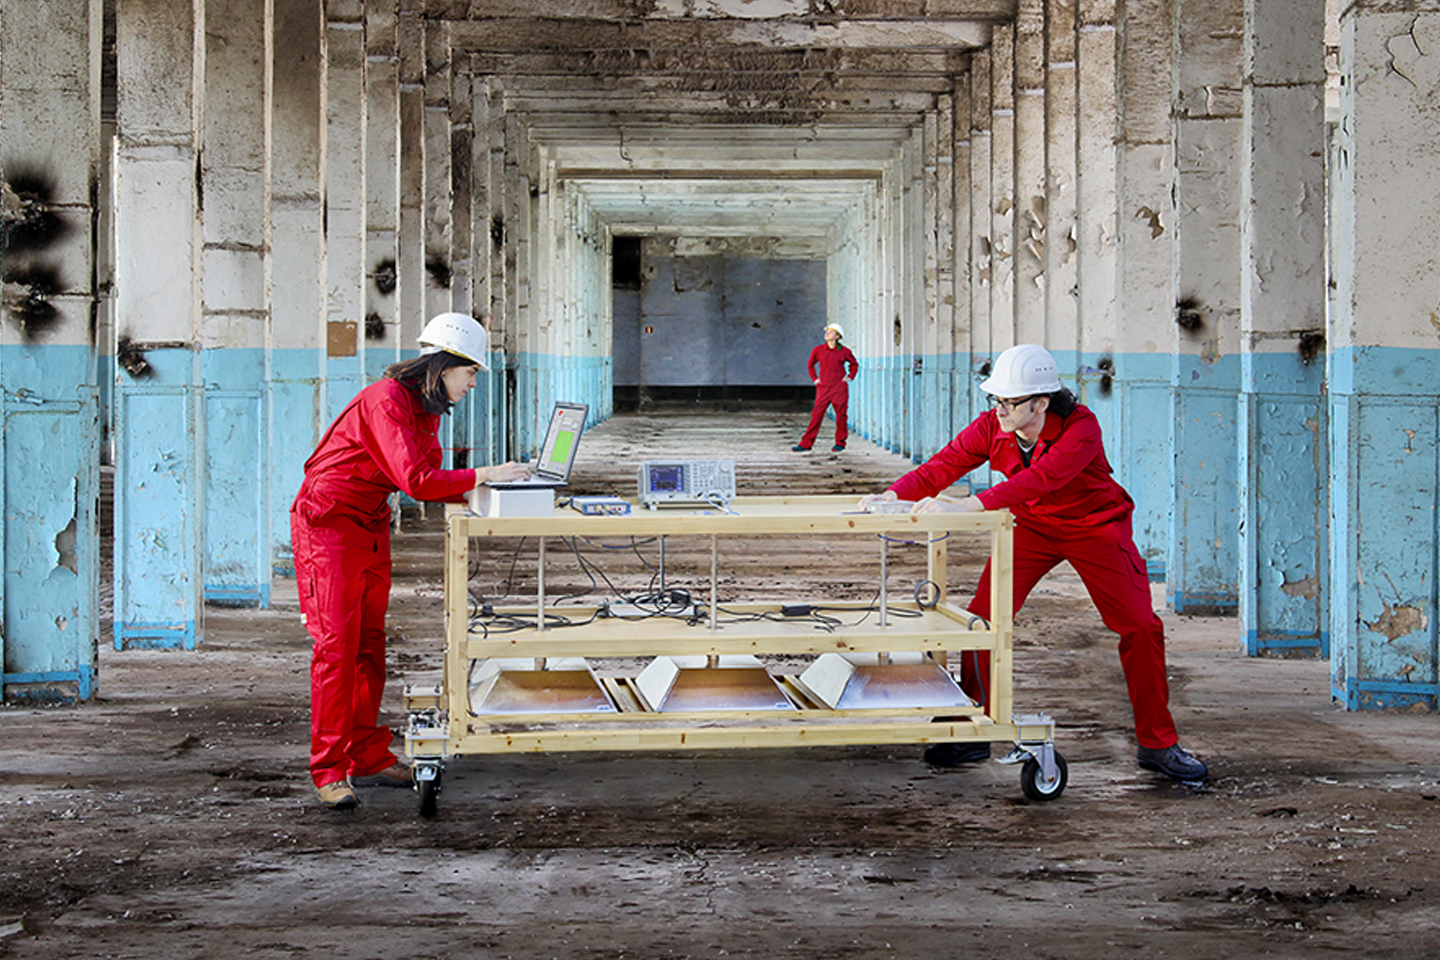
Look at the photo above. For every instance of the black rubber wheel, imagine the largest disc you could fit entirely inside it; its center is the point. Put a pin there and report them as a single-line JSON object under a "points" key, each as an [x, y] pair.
{"points": [[1035, 785], [429, 791]]}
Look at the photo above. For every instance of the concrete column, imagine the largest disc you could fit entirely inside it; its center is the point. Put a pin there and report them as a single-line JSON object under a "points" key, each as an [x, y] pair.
{"points": [[1383, 363], [962, 329], [1030, 213], [235, 168], [1283, 304], [345, 201], [938, 363], [298, 408], [438, 217], [1145, 290], [160, 430], [1002, 190], [411, 294], [528, 342], [1096, 230], [50, 164], [462, 218], [1203, 564], [982, 243], [1062, 333], [910, 228], [382, 187], [488, 426]]}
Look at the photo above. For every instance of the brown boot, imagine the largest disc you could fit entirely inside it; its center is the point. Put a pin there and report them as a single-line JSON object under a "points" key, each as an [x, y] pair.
{"points": [[338, 796]]}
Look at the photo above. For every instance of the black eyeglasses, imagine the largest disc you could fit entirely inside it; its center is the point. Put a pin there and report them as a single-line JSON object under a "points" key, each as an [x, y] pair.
{"points": [[1010, 404]]}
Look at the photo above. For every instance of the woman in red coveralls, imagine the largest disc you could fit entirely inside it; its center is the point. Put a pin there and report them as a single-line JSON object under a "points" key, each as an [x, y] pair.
{"points": [[340, 527], [1067, 507], [831, 367]]}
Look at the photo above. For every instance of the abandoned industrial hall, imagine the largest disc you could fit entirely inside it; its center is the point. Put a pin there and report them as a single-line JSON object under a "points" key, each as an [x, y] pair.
{"points": [[222, 219]]}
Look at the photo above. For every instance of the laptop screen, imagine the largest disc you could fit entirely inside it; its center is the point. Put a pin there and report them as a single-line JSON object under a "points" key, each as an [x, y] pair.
{"points": [[562, 440]]}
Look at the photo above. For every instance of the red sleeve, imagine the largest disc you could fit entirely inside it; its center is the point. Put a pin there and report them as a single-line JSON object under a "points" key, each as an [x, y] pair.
{"points": [[1065, 457], [810, 365], [851, 363], [401, 440], [958, 457]]}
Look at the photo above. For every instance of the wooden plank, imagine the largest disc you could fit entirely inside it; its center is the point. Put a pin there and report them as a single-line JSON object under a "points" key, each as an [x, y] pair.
{"points": [[747, 515], [732, 736]]}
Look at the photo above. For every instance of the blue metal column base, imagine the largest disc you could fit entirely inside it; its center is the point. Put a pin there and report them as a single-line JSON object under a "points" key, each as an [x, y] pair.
{"points": [[49, 686]]}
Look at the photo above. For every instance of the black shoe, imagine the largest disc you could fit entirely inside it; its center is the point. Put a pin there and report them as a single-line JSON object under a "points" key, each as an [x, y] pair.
{"points": [[838, 447], [799, 449], [956, 754], [1174, 762]]}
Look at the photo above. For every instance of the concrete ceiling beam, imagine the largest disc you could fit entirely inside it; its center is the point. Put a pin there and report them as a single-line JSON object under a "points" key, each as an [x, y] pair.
{"points": [[624, 64], [524, 34], [625, 10]]}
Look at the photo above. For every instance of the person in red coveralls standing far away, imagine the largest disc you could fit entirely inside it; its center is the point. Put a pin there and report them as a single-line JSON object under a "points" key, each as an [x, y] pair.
{"points": [[1067, 507], [832, 367], [384, 441]]}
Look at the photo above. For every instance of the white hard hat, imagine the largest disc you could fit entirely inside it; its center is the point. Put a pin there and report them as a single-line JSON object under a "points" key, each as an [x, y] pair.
{"points": [[837, 328], [457, 333], [1024, 370]]}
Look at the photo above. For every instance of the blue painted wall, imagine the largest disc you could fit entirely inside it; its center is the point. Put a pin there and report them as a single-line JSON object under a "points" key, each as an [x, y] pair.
{"points": [[51, 487], [158, 512], [1385, 489], [237, 537], [1202, 566], [1284, 494]]}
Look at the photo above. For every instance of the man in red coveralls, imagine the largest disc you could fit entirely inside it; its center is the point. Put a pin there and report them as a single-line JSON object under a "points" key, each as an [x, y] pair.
{"points": [[384, 441], [1067, 507], [831, 367]]}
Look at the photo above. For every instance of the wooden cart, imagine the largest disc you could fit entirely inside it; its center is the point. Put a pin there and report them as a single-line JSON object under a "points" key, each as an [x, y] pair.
{"points": [[883, 679]]}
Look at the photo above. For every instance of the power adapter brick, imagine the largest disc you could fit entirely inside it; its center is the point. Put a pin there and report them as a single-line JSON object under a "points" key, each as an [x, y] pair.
{"points": [[796, 609]]}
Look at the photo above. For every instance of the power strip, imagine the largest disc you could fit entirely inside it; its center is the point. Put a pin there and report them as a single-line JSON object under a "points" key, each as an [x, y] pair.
{"points": [[630, 611]]}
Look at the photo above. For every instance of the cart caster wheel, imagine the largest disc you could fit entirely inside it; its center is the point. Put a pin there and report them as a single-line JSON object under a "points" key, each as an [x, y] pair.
{"points": [[1034, 784], [429, 790]]}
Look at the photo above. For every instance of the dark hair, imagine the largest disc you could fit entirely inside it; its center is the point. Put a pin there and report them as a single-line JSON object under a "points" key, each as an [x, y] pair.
{"points": [[1062, 402], [424, 376]]}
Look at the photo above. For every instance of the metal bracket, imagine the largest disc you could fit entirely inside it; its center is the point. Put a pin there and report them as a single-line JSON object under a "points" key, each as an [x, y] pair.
{"points": [[1035, 734]]}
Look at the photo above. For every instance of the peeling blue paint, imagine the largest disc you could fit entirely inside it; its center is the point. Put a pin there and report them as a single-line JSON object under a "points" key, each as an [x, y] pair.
{"points": [[158, 508], [49, 477], [1385, 486], [1284, 562], [1203, 561]]}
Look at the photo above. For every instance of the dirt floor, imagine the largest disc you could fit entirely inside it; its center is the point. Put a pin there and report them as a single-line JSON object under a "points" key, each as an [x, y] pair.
{"points": [[172, 817]]}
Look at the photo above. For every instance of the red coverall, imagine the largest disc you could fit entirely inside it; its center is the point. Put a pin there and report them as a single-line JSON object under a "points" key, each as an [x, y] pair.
{"points": [[836, 368], [340, 528], [1066, 507]]}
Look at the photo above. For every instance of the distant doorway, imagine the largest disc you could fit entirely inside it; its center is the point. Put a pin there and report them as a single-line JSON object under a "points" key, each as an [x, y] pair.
{"points": [[713, 329]]}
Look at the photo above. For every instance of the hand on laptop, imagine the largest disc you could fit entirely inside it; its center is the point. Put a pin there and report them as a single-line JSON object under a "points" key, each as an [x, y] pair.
{"points": [[502, 473]]}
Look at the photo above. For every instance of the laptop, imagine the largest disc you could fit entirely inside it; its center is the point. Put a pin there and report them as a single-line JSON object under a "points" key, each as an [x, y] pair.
{"points": [[557, 453]]}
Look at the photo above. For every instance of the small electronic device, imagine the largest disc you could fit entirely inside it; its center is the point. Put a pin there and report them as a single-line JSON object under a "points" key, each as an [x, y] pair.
{"points": [[600, 506], [686, 482]]}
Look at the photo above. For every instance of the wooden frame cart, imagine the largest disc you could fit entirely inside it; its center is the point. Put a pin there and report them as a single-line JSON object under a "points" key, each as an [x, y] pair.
{"points": [[882, 678]]}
